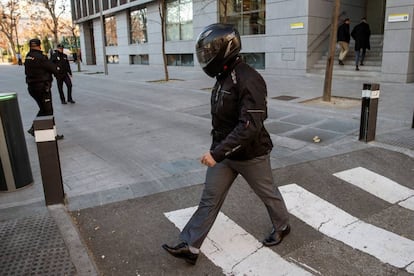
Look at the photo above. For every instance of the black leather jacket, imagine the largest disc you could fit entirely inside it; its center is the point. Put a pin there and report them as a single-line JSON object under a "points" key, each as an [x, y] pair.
{"points": [[38, 68], [238, 109]]}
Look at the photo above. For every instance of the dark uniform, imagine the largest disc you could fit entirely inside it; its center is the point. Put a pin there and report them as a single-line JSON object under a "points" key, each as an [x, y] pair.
{"points": [[39, 70], [64, 75]]}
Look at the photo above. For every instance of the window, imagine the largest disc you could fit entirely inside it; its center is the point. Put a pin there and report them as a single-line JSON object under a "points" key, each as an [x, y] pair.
{"points": [[138, 26], [248, 16], [255, 60], [111, 38], [97, 6], [112, 59], [180, 59], [105, 5], [179, 20], [139, 59]]}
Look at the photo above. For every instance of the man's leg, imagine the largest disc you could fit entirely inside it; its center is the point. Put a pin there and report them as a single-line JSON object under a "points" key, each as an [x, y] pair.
{"points": [[59, 82], [218, 182], [68, 83], [346, 49], [341, 52], [357, 55], [258, 174], [363, 55]]}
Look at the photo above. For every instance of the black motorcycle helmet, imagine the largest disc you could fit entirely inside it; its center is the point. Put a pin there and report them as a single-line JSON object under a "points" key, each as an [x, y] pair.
{"points": [[216, 45]]}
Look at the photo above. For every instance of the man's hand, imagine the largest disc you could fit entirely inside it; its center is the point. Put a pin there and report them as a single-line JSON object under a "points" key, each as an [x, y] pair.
{"points": [[208, 160]]}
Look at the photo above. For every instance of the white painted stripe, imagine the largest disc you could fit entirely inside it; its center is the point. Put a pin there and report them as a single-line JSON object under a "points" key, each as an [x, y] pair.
{"points": [[328, 219], [45, 135], [410, 268], [378, 185], [236, 251], [408, 203]]}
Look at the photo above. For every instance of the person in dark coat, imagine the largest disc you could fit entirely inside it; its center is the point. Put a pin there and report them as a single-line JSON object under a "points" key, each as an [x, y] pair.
{"points": [[65, 74], [39, 69], [240, 142], [361, 34], [343, 38]]}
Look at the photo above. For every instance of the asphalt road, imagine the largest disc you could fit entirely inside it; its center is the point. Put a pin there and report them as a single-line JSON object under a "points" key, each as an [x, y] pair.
{"points": [[125, 238]]}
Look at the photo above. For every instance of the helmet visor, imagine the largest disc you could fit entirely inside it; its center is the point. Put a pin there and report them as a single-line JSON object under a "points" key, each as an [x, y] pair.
{"points": [[205, 54]]}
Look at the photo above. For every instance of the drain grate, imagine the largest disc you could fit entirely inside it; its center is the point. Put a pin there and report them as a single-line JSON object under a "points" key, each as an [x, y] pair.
{"points": [[33, 246], [285, 98]]}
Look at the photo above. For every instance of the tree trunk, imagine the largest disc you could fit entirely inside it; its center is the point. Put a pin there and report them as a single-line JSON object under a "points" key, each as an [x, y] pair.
{"points": [[162, 10], [331, 57]]}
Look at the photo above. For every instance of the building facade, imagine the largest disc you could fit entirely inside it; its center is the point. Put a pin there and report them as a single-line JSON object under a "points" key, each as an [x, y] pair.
{"points": [[286, 37]]}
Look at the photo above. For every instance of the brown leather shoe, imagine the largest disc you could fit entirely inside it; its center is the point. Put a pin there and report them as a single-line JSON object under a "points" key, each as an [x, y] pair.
{"points": [[182, 251], [276, 237]]}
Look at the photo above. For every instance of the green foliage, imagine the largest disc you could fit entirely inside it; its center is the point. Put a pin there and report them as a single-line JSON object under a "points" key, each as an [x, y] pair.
{"points": [[46, 44]]}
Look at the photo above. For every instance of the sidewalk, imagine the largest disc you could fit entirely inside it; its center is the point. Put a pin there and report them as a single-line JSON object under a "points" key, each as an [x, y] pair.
{"points": [[295, 117]]}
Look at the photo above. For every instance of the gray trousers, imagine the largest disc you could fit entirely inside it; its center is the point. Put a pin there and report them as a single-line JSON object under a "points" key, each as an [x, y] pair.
{"points": [[219, 179]]}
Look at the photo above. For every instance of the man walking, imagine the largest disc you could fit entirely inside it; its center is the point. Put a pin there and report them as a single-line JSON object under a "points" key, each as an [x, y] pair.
{"points": [[343, 38], [39, 69], [64, 75], [240, 142], [361, 34]]}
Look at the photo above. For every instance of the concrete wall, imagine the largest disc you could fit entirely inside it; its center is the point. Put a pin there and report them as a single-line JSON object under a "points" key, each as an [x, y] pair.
{"points": [[398, 51]]}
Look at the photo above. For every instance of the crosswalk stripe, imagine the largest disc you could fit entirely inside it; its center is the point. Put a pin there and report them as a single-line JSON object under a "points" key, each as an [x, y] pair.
{"points": [[234, 250], [338, 224], [379, 186]]}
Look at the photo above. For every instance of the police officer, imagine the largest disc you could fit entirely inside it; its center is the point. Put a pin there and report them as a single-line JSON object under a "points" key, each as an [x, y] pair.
{"points": [[240, 142], [39, 69], [64, 75]]}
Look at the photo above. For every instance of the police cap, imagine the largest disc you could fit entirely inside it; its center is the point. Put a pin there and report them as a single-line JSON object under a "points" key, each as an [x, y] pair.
{"points": [[34, 42], [59, 46]]}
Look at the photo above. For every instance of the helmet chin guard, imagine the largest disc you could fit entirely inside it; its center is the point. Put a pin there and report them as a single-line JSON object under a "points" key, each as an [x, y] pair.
{"points": [[216, 45]]}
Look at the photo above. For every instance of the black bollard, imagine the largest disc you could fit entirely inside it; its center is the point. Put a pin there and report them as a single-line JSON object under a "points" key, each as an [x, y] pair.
{"points": [[15, 171], [369, 109], [47, 148]]}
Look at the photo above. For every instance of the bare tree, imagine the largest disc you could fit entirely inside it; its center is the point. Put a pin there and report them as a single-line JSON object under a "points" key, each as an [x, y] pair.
{"points": [[163, 12], [74, 32], [10, 16], [55, 11]]}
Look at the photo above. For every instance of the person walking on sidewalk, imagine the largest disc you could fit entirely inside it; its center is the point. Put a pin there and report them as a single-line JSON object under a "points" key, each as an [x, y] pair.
{"points": [[361, 34], [65, 74], [343, 38], [39, 69], [240, 142]]}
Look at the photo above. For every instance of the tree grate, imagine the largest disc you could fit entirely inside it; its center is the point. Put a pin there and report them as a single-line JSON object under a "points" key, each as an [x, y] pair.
{"points": [[33, 246], [285, 98]]}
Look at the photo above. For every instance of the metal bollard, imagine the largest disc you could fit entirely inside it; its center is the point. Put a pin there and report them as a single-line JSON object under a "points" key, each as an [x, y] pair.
{"points": [[369, 108], [47, 148], [15, 171]]}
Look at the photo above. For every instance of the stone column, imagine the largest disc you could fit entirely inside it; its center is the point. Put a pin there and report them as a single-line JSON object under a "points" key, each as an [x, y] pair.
{"points": [[398, 50]]}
